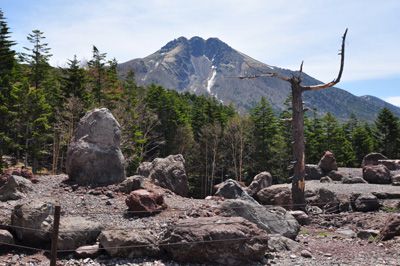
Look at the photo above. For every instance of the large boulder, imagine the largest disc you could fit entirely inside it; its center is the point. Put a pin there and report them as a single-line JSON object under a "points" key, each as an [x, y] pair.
{"points": [[94, 156], [260, 181], [130, 243], [143, 202], [391, 228], [377, 174], [328, 162], [372, 159], [75, 232], [330, 201], [231, 189], [215, 240], [168, 173], [32, 222], [313, 172], [274, 220], [14, 187], [276, 195]]}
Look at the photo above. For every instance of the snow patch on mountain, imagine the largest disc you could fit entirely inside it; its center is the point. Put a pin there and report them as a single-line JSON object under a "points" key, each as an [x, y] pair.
{"points": [[211, 80]]}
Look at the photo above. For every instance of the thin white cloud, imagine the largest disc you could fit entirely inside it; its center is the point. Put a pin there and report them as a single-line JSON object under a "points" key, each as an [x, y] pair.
{"points": [[395, 100], [281, 33]]}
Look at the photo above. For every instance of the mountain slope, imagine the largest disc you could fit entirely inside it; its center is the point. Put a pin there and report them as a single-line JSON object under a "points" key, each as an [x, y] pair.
{"points": [[213, 67]]}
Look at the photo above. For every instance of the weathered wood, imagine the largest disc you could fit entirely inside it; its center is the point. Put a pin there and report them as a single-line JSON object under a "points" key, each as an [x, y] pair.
{"points": [[298, 183], [54, 237]]}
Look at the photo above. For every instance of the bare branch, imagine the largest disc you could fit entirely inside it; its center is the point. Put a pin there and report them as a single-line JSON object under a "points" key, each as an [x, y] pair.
{"points": [[335, 81], [272, 75], [301, 67]]}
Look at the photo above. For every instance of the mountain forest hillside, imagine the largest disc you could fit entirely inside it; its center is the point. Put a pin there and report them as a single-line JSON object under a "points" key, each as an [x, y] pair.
{"points": [[212, 67], [40, 107]]}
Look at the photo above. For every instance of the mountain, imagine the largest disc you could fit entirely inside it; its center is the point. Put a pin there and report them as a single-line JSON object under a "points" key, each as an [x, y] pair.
{"points": [[212, 67]]}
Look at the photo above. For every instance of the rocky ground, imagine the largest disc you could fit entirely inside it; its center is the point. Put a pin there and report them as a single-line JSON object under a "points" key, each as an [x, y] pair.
{"points": [[330, 239]]}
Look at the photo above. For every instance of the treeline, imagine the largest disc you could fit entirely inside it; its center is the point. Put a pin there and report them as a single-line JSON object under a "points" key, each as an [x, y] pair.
{"points": [[40, 107]]}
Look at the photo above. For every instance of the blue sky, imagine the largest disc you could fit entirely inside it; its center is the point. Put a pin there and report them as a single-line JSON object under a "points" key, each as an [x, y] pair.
{"points": [[281, 33]]}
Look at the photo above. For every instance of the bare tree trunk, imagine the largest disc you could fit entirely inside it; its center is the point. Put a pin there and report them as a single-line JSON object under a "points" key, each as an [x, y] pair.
{"points": [[298, 183]]}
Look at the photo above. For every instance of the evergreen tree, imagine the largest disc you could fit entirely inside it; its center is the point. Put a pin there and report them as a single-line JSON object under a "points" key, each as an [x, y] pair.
{"points": [[388, 133], [37, 58], [7, 64], [73, 80], [97, 75], [267, 143], [362, 142]]}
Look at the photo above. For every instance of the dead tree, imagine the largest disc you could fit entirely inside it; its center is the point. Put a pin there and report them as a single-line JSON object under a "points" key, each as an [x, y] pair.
{"points": [[298, 183]]}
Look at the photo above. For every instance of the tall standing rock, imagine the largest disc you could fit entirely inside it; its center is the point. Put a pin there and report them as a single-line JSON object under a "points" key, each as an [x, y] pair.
{"points": [[94, 156], [328, 162]]}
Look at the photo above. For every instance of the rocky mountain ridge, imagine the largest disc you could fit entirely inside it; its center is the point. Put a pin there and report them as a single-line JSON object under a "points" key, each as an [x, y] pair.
{"points": [[212, 67]]}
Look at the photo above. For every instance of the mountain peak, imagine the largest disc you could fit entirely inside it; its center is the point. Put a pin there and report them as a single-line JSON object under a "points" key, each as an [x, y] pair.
{"points": [[197, 46]]}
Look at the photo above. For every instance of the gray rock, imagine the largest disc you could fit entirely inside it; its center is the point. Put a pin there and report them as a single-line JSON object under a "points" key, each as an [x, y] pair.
{"points": [[33, 222], [231, 189], [301, 217], [377, 174], [391, 228], [168, 173], [336, 175], [365, 202], [260, 181], [306, 253], [132, 243], [372, 159], [313, 172], [77, 231], [353, 180], [278, 243], [330, 202], [367, 234], [392, 165], [346, 232], [325, 179], [396, 180], [275, 220], [229, 241], [94, 156], [15, 188], [276, 195], [6, 238], [131, 183], [88, 251], [328, 162]]}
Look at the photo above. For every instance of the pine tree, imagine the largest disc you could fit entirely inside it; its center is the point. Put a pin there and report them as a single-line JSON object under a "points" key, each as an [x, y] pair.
{"points": [[37, 58], [73, 80], [388, 133], [362, 142], [267, 142], [7, 64], [97, 75]]}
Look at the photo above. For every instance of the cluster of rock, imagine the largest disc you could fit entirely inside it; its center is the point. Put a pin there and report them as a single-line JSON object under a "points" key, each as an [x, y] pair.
{"points": [[376, 169], [15, 183]]}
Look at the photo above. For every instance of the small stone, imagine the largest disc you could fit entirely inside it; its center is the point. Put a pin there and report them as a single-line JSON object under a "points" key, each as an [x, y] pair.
{"points": [[108, 202], [292, 256], [306, 254], [327, 254], [110, 194]]}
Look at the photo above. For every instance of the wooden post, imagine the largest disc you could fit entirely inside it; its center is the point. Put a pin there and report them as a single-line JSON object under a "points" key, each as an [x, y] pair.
{"points": [[54, 238]]}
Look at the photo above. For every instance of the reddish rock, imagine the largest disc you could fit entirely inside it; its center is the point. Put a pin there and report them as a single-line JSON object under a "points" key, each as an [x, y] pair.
{"points": [[377, 174], [143, 202], [24, 172], [328, 162], [391, 228]]}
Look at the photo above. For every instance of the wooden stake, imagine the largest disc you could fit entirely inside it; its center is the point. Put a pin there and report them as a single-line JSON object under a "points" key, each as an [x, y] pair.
{"points": [[56, 224]]}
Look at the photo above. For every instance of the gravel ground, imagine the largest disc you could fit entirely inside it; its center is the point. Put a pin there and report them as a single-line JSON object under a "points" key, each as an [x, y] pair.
{"points": [[326, 245]]}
